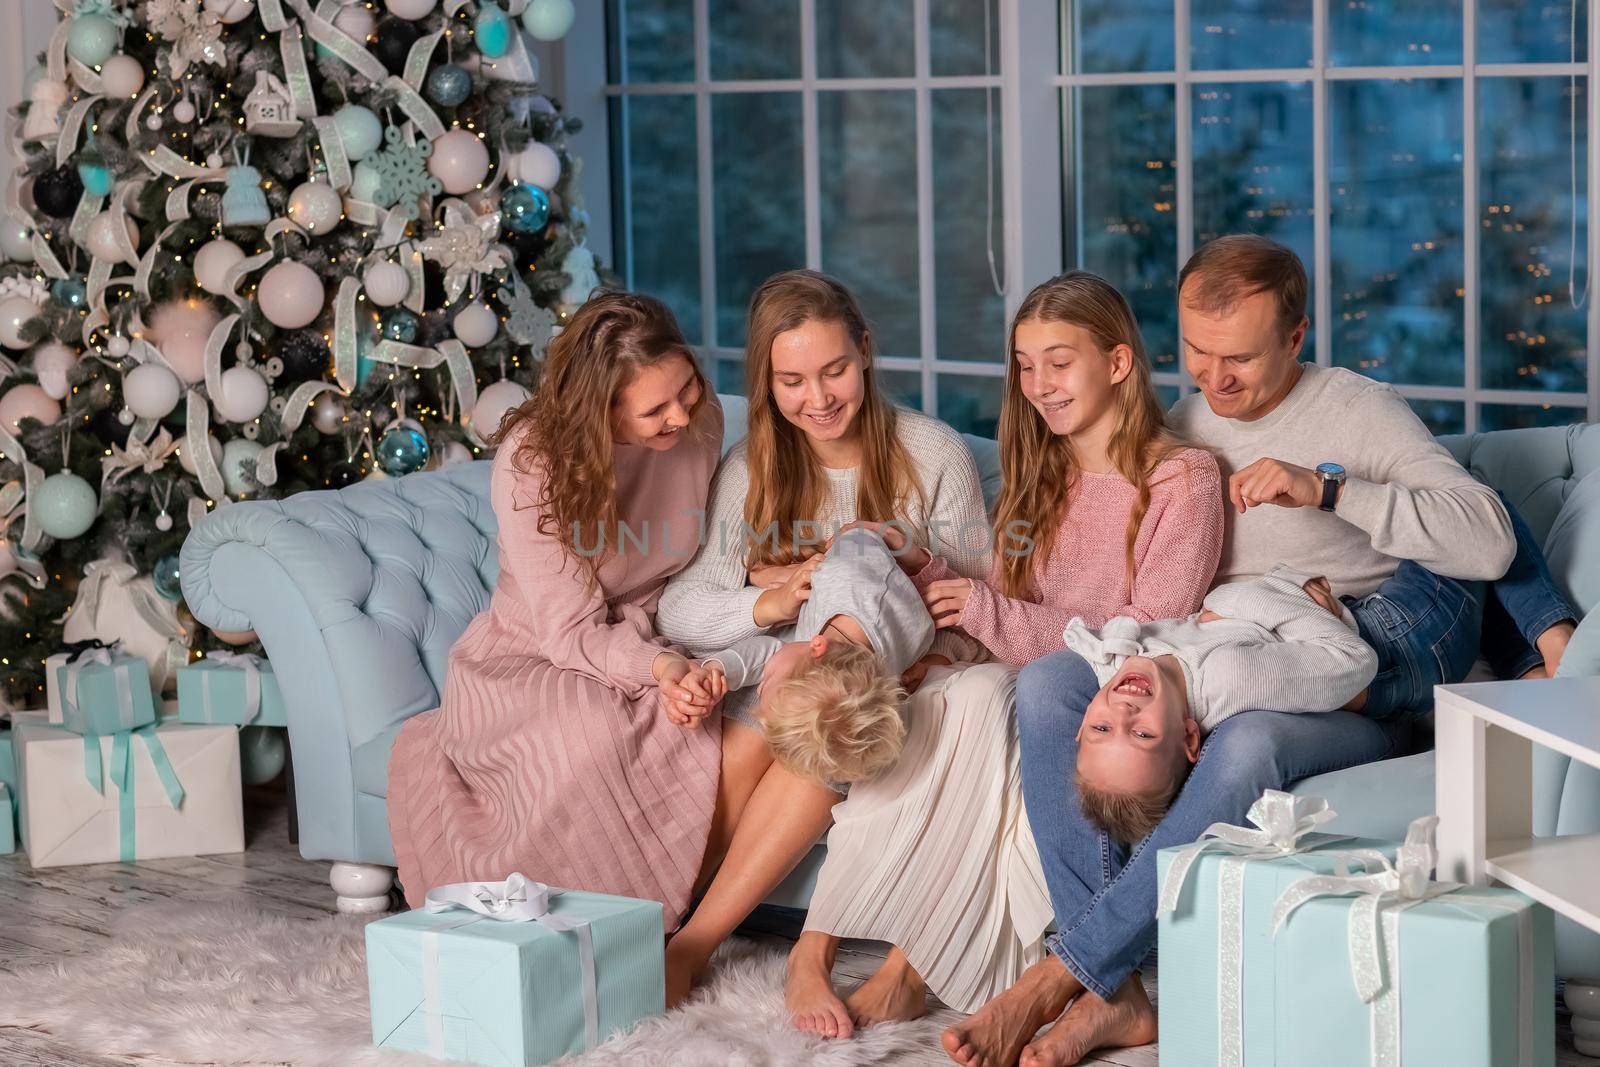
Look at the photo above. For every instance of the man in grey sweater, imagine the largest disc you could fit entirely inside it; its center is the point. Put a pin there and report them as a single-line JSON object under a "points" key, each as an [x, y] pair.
{"points": [[1334, 474]]}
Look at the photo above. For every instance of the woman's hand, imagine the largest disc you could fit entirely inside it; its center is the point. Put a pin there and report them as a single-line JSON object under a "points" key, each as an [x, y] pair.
{"points": [[706, 685], [947, 601], [772, 577], [911, 559], [914, 676], [681, 705], [782, 604]]}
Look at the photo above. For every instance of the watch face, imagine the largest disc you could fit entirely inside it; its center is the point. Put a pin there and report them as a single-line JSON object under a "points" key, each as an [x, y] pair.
{"points": [[1332, 470]]}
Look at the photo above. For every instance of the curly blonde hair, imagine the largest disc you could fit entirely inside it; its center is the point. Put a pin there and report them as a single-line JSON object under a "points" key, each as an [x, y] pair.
{"points": [[568, 439], [837, 718]]}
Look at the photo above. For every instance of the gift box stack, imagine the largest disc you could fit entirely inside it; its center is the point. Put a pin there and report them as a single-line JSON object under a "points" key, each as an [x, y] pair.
{"points": [[100, 779], [513, 973], [1280, 945]]}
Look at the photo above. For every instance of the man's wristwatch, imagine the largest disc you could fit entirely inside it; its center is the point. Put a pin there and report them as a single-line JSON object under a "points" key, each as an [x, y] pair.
{"points": [[1332, 476]]}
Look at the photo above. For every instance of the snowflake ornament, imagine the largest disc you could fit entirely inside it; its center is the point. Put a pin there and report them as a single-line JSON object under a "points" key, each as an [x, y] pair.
{"points": [[527, 323], [195, 34], [465, 246], [403, 176]]}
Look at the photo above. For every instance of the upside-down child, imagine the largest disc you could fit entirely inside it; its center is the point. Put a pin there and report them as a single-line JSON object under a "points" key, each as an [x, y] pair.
{"points": [[827, 695]]}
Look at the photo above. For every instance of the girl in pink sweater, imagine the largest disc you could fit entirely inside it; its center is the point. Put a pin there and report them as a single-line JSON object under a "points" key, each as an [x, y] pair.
{"points": [[1102, 513]]}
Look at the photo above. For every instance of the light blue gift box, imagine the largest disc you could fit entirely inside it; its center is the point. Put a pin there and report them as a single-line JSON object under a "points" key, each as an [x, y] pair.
{"points": [[8, 814], [217, 691], [8, 779], [510, 994], [107, 697], [1460, 989]]}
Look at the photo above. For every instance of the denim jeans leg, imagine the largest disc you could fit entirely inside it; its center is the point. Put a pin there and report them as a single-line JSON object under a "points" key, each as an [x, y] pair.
{"points": [[1251, 752], [1426, 630], [1521, 606]]}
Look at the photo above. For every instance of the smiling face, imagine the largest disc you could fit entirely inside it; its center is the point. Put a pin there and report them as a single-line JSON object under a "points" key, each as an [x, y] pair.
{"points": [[656, 405], [1065, 376], [819, 379], [1240, 357], [1137, 732]]}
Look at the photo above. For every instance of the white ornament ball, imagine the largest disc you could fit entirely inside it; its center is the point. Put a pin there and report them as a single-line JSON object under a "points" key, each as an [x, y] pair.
{"points": [[290, 295], [126, 417], [65, 506], [230, 11], [453, 453], [117, 345], [538, 165], [411, 9], [52, 363], [212, 263], [27, 401], [152, 123], [180, 329], [239, 466], [327, 412], [186, 456], [163, 522], [548, 20], [16, 241], [15, 312], [356, 20], [475, 325], [102, 240], [460, 161], [317, 206], [386, 283], [360, 129], [364, 181], [492, 405], [183, 111], [122, 76], [151, 391], [244, 394]]}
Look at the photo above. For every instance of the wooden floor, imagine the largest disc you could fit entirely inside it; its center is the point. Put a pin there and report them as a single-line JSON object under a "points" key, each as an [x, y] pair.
{"points": [[59, 911]]}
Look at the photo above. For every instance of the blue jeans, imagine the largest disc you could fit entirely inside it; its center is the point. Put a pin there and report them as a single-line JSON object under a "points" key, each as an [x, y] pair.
{"points": [[1428, 630], [1103, 893]]}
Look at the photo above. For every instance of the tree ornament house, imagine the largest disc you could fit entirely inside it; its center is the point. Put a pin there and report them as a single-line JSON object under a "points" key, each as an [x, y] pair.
{"points": [[269, 109]]}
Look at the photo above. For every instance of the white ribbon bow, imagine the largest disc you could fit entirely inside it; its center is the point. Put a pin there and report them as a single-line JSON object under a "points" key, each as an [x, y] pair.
{"points": [[518, 899], [1374, 933]]}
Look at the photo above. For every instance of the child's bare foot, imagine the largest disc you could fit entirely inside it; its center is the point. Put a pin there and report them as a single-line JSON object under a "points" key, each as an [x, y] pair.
{"points": [[808, 993], [686, 961], [994, 1037], [894, 993], [1128, 1018], [1552, 645]]}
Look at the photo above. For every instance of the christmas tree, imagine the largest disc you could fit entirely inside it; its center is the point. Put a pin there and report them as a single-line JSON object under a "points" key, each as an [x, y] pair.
{"points": [[258, 247]]}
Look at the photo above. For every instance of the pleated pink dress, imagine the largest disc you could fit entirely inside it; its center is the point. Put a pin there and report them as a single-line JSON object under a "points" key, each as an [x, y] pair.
{"points": [[549, 755]]}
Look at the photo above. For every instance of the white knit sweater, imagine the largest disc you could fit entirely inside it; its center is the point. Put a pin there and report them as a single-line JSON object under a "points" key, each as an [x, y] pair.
{"points": [[710, 604]]}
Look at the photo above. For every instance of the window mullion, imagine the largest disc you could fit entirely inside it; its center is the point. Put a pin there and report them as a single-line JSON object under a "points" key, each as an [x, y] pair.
{"points": [[1469, 211], [1183, 141], [927, 311], [1322, 255], [812, 177], [1592, 238], [703, 168]]}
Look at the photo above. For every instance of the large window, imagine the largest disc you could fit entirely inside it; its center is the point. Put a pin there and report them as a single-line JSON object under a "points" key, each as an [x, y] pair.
{"points": [[1429, 161]]}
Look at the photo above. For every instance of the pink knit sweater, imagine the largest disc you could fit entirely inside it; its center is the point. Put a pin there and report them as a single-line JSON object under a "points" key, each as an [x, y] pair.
{"points": [[1175, 556]]}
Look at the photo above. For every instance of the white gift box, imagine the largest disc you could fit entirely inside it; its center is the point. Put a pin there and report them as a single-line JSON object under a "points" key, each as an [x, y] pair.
{"points": [[67, 820]]}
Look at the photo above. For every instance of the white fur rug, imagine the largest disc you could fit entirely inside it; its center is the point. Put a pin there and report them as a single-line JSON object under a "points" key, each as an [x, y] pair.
{"points": [[226, 984]]}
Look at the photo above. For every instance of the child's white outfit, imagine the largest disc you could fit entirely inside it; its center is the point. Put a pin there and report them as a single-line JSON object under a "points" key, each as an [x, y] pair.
{"points": [[1275, 649]]}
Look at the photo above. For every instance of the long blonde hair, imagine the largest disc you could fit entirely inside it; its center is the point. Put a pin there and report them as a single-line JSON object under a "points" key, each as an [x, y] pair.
{"points": [[1038, 467], [787, 483], [568, 418]]}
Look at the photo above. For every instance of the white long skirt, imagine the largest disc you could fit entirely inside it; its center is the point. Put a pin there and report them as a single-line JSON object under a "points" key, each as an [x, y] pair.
{"points": [[936, 855]]}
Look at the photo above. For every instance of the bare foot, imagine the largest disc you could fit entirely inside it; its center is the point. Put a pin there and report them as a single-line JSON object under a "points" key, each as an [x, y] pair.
{"points": [[894, 993], [994, 1037], [808, 993], [1128, 1018], [1552, 645], [686, 961]]}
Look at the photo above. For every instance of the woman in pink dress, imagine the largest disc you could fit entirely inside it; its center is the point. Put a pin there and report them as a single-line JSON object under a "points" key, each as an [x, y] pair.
{"points": [[549, 754]]}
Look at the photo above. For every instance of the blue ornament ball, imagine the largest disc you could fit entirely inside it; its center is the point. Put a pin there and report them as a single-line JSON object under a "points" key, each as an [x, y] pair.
{"points": [[360, 129], [403, 448], [525, 208], [492, 30], [96, 178], [92, 39], [260, 754], [399, 324], [64, 506], [165, 578], [449, 85], [548, 20], [69, 293]]}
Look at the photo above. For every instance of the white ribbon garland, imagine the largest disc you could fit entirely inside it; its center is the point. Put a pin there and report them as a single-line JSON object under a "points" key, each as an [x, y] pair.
{"points": [[1374, 933], [518, 899], [32, 479]]}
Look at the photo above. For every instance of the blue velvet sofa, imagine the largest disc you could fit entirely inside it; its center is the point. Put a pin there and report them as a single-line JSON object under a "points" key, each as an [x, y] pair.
{"points": [[358, 595]]}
